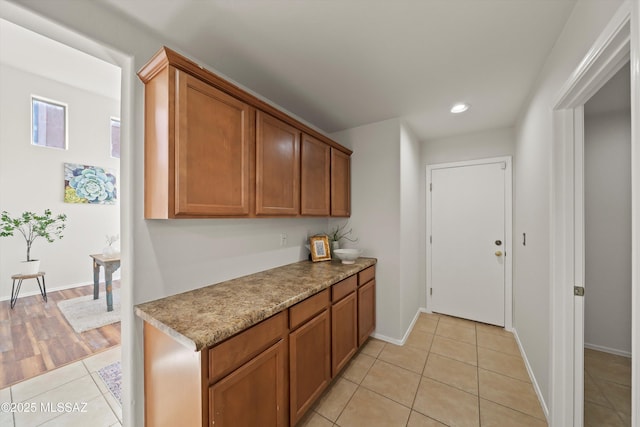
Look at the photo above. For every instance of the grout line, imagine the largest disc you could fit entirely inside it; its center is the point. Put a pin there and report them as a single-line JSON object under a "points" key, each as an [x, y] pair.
{"points": [[348, 401], [514, 410], [41, 392]]}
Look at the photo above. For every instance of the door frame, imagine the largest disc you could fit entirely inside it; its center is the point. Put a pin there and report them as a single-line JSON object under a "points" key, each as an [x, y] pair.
{"points": [[508, 225], [613, 48]]}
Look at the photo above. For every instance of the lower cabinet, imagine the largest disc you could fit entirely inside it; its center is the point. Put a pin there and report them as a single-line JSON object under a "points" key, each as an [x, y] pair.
{"points": [[248, 377], [309, 353], [254, 394], [344, 324], [366, 304], [268, 375]]}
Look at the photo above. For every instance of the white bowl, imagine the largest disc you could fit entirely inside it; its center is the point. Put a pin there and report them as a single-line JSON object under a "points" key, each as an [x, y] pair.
{"points": [[348, 256]]}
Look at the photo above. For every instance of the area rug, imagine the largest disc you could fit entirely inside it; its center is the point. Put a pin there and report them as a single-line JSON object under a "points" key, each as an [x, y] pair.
{"points": [[112, 377], [84, 313]]}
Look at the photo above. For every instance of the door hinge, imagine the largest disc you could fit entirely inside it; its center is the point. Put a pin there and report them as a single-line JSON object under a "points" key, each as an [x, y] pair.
{"points": [[578, 291], [431, 186], [430, 291], [430, 239]]}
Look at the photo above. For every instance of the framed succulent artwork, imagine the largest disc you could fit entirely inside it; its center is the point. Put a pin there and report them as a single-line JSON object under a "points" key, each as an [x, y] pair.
{"points": [[89, 184]]}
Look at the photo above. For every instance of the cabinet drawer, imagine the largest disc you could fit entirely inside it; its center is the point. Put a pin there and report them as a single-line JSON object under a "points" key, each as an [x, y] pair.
{"points": [[344, 288], [366, 275], [308, 308], [233, 353]]}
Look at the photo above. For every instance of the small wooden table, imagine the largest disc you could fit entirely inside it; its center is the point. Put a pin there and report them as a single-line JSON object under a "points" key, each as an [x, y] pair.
{"points": [[20, 277], [110, 264]]}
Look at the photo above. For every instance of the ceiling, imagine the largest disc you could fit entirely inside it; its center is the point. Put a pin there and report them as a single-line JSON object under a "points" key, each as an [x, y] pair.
{"points": [[344, 63], [32, 52]]}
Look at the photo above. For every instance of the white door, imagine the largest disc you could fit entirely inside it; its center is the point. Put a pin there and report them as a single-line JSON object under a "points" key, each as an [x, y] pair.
{"points": [[468, 240]]}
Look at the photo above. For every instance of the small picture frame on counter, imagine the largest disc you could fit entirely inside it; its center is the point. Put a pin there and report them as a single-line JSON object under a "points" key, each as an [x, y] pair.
{"points": [[319, 246]]}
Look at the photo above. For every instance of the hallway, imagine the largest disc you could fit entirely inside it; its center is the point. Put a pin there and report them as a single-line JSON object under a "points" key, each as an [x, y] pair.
{"points": [[450, 372]]}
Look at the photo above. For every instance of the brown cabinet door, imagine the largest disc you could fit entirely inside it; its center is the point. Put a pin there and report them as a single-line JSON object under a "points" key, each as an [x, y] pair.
{"points": [[315, 177], [344, 332], [366, 311], [309, 363], [340, 183], [277, 167], [253, 395], [213, 149]]}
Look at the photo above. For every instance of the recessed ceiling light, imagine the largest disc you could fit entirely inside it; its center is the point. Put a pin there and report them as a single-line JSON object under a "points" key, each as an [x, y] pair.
{"points": [[460, 108]]}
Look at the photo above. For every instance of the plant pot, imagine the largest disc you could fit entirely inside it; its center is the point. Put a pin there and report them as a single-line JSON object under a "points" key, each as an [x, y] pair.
{"points": [[335, 244], [30, 267], [108, 251]]}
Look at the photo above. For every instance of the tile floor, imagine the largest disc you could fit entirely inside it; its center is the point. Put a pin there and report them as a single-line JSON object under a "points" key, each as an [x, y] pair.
{"points": [[607, 389], [77, 382], [450, 372]]}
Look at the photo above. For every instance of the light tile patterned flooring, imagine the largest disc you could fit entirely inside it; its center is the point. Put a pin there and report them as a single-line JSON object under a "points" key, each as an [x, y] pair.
{"points": [[74, 383], [450, 372], [607, 389]]}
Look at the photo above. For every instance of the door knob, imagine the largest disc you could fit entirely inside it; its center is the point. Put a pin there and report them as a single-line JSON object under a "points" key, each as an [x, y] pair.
{"points": [[498, 253]]}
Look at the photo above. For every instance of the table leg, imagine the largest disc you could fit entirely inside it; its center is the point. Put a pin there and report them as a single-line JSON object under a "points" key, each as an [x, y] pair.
{"points": [[96, 280], [107, 279], [14, 297], [43, 289]]}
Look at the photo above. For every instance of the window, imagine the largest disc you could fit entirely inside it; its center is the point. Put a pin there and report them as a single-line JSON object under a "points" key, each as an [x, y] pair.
{"points": [[48, 123], [115, 138]]}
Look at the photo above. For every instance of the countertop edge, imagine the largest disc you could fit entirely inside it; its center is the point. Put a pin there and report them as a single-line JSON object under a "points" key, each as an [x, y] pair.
{"points": [[257, 316], [187, 342]]}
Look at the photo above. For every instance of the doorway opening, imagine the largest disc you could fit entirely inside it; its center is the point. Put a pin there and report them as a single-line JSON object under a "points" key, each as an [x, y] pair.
{"points": [[607, 56], [607, 244], [58, 339]]}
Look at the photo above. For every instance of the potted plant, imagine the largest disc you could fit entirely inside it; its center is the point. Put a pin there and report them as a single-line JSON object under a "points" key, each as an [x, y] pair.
{"points": [[338, 233], [32, 226], [109, 250]]}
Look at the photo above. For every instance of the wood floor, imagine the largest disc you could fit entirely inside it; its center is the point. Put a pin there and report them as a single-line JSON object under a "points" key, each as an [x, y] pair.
{"points": [[36, 338]]}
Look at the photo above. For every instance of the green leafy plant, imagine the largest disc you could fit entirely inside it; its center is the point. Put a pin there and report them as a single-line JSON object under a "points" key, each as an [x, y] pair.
{"points": [[341, 232], [32, 226]]}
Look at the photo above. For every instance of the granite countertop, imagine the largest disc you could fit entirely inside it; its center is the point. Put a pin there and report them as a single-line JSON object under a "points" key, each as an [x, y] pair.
{"points": [[203, 317]]}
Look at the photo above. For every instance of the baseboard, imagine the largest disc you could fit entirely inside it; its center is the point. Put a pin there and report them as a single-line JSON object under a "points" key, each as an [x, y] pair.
{"points": [[608, 350], [49, 290], [532, 377], [406, 334]]}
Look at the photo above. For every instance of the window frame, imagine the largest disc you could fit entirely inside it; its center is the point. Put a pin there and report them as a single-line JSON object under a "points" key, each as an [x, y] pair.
{"points": [[111, 120], [66, 121]]}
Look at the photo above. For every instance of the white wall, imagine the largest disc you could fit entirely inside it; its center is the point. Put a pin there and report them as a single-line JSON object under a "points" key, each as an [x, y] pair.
{"points": [[469, 146], [412, 226], [32, 178], [607, 158], [532, 170], [375, 213], [388, 218]]}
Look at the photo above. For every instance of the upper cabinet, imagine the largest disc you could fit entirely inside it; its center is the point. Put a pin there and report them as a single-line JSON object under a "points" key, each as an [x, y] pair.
{"points": [[340, 183], [215, 150], [213, 146], [316, 177], [277, 167]]}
